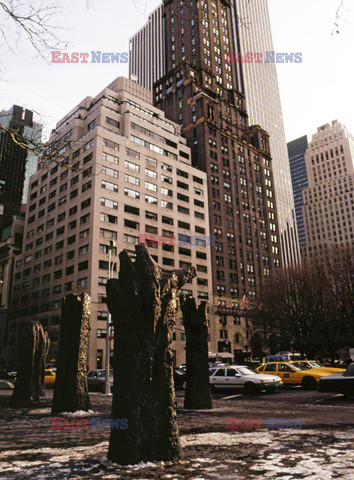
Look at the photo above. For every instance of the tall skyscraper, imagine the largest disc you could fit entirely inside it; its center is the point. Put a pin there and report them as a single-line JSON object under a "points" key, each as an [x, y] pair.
{"points": [[22, 120], [198, 92], [146, 48], [296, 150], [124, 175], [259, 83], [328, 201]]}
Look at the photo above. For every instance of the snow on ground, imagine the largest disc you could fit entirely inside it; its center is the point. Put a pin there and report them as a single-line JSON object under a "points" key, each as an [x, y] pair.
{"points": [[263, 455]]}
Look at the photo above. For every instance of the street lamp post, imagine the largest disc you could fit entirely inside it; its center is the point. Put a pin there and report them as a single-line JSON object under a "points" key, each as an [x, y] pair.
{"points": [[108, 341]]}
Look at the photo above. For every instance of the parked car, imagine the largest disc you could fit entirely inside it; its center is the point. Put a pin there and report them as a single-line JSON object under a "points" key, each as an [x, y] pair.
{"points": [[49, 377], [6, 385], [292, 375], [234, 376], [96, 380], [179, 376], [312, 364], [339, 383]]}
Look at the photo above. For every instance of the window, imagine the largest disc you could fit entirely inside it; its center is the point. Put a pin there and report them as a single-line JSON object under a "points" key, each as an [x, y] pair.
{"points": [[108, 234], [151, 215], [131, 179], [84, 234], [150, 199], [71, 239], [109, 186], [112, 122], [131, 193], [83, 266], [105, 249], [82, 282], [84, 249], [110, 144], [132, 210], [131, 239], [88, 145], [132, 166], [131, 224], [105, 202], [151, 186], [86, 203], [110, 171]]}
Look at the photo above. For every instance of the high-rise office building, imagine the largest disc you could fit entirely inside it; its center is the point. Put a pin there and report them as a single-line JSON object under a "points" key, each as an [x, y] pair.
{"points": [[251, 32], [296, 150], [328, 201], [259, 83], [146, 48], [198, 92], [22, 121], [124, 174]]}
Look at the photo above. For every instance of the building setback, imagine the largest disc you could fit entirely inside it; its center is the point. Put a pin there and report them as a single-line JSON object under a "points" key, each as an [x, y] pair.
{"points": [[198, 93], [123, 174], [328, 209], [259, 83], [296, 150]]}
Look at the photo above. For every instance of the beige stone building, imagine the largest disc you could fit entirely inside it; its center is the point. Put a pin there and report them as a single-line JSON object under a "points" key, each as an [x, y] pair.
{"points": [[328, 201], [122, 173]]}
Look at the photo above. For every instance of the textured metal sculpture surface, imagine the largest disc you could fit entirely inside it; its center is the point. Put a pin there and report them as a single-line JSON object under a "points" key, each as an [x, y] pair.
{"points": [[143, 303], [70, 390], [197, 378], [32, 349]]}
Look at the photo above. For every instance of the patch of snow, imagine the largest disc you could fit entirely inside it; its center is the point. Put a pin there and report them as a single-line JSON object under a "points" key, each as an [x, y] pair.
{"points": [[79, 413]]}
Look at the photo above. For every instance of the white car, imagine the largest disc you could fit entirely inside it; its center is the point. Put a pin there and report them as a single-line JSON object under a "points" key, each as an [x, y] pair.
{"points": [[234, 376]]}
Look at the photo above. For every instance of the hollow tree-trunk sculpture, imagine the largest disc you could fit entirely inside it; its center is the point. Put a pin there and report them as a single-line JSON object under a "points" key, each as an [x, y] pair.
{"points": [[31, 351], [70, 389], [197, 378], [143, 303]]}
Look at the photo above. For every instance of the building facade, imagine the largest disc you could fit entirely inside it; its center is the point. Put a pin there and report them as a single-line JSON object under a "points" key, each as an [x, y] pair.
{"points": [[146, 50], [328, 209], [122, 173], [198, 92], [296, 150], [10, 246], [30, 131], [259, 83]]}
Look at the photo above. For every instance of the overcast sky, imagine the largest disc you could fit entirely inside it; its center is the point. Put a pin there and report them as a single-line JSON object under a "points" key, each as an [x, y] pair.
{"points": [[313, 93]]}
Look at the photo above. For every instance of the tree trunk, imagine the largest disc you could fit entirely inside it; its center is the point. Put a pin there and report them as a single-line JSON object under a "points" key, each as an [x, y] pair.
{"points": [[31, 351], [196, 327], [143, 303], [70, 390]]}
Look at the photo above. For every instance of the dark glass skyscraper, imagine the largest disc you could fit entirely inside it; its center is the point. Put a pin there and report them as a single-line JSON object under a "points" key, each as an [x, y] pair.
{"points": [[297, 149]]}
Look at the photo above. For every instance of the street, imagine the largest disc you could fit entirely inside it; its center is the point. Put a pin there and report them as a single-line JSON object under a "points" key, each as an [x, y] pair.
{"points": [[321, 449]]}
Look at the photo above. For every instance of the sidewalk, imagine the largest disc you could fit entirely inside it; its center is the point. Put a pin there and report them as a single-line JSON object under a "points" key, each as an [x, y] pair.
{"points": [[321, 450]]}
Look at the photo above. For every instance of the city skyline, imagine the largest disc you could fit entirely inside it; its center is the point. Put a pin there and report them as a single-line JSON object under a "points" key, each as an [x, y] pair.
{"points": [[302, 86]]}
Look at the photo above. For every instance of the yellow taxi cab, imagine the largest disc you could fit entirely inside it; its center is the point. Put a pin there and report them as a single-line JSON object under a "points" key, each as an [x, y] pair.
{"points": [[49, 377], [313, 365], [292, 375]]}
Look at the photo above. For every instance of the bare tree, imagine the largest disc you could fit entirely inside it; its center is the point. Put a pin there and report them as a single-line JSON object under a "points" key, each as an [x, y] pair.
{"points": [[309, 307], [37, 21]]}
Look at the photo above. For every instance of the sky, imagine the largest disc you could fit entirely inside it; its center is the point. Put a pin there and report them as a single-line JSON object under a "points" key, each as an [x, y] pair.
{"points": [[313, 93]]}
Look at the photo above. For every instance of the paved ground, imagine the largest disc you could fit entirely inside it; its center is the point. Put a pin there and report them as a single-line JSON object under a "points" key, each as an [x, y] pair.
{"points": [[322, 449]]}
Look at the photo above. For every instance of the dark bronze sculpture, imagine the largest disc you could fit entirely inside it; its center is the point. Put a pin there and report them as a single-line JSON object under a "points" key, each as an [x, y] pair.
{"points": [[32, 349], [70, 390], [143, 303], [197, 378]]}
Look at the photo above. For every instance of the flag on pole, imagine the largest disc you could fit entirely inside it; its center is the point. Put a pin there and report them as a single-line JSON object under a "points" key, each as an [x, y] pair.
{"points": [[244, 300]]}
